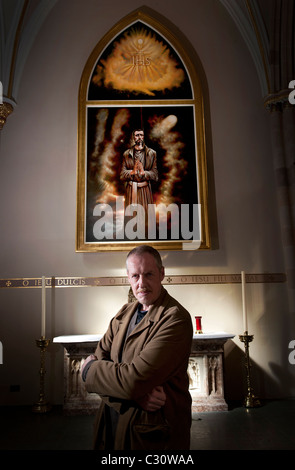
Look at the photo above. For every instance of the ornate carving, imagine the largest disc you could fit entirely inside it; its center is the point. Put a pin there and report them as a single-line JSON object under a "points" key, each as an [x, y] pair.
{"points": [[213, 368], [5, 110], [74, 386], [215, 345], [194, 374], [276, 101]]}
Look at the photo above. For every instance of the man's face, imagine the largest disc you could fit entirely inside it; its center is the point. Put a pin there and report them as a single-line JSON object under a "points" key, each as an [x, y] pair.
{"points": [[138, 137], [145, 278]]}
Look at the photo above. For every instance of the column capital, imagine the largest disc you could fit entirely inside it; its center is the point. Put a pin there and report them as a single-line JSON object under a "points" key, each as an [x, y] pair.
{"points": [[5, 110], [276, 101]]}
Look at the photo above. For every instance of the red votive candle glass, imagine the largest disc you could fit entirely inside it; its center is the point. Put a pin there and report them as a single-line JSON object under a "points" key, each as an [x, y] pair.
{"points": [[199, 324]]}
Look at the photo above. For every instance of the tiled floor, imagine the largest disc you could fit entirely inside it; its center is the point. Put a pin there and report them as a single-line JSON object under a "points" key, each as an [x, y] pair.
{"points": [[270, 427]]}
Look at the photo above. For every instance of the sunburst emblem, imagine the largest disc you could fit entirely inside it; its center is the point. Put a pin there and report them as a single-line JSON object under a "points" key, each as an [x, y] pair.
{"points": [[139, 63]]}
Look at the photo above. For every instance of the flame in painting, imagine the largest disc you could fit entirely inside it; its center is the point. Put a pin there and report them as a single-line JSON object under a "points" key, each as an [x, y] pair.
{"points": [[140, 63], [171, 143], [108, 157]]}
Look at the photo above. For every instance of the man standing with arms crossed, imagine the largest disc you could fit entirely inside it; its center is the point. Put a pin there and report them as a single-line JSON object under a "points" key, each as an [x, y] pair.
{"points": [[140, 366]]}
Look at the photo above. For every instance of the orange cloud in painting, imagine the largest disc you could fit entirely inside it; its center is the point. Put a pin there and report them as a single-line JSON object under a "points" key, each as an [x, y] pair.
{"points": [[140, 63]]}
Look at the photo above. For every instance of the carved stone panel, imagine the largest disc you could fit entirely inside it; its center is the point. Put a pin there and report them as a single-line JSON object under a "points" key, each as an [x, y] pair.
{"points": [[205, 371]]}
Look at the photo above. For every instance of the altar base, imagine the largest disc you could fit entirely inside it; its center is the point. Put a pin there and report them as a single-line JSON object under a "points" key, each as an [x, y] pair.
{"points": [[205, 371]]}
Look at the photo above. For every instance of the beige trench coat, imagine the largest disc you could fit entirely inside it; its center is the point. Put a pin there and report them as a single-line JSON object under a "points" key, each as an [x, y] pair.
{"points": [[155, 353]]}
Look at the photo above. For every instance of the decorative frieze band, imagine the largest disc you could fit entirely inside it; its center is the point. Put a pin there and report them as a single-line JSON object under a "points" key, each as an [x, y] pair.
{"points": [[123, 280]]}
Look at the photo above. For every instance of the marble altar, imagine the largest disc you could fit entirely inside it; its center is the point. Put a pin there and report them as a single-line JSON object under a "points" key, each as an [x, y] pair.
{"points": [[205, 372]]}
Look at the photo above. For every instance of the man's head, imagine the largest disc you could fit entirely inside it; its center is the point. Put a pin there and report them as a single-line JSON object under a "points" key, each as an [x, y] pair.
{"points": [[145, 273], [138, 137]]}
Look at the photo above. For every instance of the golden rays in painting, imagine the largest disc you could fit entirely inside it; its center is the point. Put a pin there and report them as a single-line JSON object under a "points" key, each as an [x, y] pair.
{"points": [[139, 63]]}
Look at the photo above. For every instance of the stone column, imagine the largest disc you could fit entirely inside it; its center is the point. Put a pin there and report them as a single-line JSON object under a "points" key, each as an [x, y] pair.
{"points": [[282, 118]]}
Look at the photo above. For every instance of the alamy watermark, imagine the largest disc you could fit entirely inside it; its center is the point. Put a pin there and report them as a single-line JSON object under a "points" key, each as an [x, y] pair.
{"points": [[1, 93], [1, 353], [292, 353], [153, 222], [291, 97]]}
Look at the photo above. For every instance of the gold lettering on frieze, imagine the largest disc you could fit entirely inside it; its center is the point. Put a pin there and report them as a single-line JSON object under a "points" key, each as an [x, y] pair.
{"points": [[70, 282], [63, 282]]}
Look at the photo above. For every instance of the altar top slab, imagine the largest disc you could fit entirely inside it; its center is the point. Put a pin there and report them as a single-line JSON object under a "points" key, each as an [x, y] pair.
{"points": [[77, 338], [214, 335], [95, 338]]}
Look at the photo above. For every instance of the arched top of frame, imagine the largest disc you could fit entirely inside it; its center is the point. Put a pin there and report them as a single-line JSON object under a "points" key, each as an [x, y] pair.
{"points": [[141, 58], [142, 73]]}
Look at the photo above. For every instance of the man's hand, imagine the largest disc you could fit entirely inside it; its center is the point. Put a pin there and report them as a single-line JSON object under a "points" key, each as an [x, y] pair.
{"points": [[154, 400], [140, 168], [92, 357], [137, 169]]}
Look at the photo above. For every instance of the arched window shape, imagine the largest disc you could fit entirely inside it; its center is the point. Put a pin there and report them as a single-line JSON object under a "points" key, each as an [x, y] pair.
{"points": [[149, 186]]}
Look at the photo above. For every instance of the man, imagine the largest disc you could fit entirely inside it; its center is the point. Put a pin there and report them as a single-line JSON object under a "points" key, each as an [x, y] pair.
{"points": [[139, 168], [140, 369]]}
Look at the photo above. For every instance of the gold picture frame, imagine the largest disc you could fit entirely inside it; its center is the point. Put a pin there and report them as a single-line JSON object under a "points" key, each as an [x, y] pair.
{"points": [[140, 75]]}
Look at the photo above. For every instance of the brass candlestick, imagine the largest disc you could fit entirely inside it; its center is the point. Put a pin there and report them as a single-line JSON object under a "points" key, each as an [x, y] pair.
{"points": [[42, 406], [250, 401]]}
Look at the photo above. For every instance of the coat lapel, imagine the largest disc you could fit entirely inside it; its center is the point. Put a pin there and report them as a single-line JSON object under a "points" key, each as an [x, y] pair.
{"points": [[156, 310], [119, 338], [153, 315]]}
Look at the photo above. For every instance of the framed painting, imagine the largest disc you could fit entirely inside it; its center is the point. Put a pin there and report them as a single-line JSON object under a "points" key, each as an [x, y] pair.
{"points": [[142, 173]]}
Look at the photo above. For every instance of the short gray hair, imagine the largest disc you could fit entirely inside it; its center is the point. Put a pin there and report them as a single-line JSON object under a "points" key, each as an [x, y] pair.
{"points": [[142, 249]]}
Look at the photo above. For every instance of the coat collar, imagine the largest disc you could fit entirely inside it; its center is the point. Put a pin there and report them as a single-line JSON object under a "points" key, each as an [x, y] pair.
{"points": [[156, 309], [131, 151], [154, 313]]}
